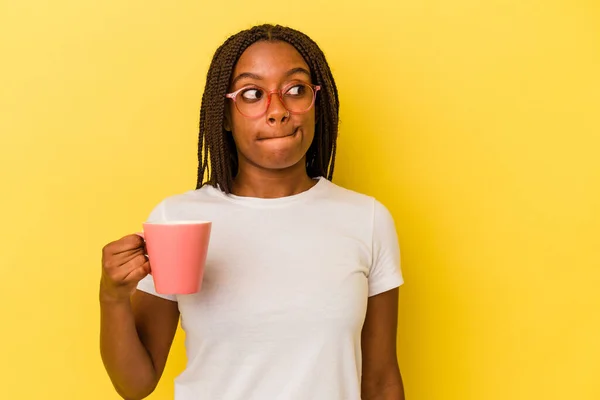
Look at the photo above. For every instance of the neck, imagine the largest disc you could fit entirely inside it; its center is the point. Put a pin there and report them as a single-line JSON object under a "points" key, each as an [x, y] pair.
{"points": [[271, 184]]}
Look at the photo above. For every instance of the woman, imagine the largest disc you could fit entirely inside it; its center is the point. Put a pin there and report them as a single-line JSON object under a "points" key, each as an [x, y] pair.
{"points": [[300, 291]]}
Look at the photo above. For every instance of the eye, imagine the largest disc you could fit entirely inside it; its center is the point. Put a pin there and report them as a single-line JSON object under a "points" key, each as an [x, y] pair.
{"points": [[252, 94], [296, 91]]}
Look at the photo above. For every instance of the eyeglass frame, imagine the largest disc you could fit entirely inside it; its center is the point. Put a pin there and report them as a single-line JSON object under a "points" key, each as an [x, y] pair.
{"points": [[233, 96]]}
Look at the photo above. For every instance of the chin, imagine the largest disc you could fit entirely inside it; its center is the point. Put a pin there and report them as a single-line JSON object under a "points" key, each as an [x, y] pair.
{"points": [[281, 164], [281, 157]]}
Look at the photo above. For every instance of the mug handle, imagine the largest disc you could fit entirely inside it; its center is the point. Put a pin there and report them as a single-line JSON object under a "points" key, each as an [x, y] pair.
{"points": [[141, 234]]}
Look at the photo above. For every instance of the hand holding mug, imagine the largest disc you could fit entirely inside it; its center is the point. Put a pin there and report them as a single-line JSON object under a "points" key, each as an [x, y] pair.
{"points": [[124, 264]]}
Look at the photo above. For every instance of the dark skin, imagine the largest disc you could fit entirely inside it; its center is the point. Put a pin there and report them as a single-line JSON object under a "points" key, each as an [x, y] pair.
{"points": [[381, 378], [137, 329], [271, 149]]}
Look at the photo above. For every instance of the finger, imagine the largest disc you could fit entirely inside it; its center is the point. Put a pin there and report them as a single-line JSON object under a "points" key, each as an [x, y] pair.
{"points": [[125, 244], [126, 256], [131, 242], [119, 260], [124, 270], [137, 274]]}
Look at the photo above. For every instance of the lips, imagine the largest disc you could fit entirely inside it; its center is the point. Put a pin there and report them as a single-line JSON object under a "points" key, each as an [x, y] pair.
{"points": [[279, 136]]}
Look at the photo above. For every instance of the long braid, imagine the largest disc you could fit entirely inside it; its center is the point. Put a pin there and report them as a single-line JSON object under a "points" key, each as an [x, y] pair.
{"points": [[217, 155]]}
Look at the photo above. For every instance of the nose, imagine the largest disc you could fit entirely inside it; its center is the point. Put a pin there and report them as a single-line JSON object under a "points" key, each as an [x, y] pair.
{"points": [[276, 111]]}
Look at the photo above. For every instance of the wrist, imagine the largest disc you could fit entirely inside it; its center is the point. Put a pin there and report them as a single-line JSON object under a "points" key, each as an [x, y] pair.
{"points": [[112, 297], [109, 300]]}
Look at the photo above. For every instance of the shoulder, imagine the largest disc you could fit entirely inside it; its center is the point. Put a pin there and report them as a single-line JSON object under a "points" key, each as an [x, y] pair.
{"points": [[365, 209], [186, 204], [339, 193], [342, 195], [352, 208], [204, 194]]}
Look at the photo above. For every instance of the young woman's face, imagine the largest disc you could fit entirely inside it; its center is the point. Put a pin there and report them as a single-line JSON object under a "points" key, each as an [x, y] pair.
{"points": [[278, 139]]}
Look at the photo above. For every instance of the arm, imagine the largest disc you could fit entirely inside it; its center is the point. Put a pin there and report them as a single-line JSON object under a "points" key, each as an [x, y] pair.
{"points": [[381, 379], [136, 328], [135, 340]]}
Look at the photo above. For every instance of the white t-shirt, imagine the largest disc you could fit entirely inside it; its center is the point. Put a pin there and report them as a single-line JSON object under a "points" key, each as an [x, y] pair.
{"points": [[284, 296]]}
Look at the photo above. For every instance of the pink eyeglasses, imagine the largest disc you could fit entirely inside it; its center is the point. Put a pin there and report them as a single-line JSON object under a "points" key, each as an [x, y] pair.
{"points": [[253, 101]]}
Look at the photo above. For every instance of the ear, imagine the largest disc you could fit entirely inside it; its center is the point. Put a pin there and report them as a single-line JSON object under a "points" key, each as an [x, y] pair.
{"points": [[227, 120]]}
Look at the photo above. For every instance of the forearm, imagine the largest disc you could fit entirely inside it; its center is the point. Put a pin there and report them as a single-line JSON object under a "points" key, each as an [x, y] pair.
{"points": [[125, 358], [390, 393], [395, 392], [390, 389]]}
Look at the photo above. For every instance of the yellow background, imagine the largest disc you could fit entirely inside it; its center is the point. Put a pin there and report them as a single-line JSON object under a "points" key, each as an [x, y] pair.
{"points": [[476, 122]]}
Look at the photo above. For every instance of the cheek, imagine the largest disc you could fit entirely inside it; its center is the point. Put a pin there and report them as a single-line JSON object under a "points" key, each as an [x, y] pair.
{"points": [[242, 129]]}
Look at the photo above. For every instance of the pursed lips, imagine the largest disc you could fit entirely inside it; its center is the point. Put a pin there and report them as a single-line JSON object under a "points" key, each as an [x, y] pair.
{"points": [[279, 136]]}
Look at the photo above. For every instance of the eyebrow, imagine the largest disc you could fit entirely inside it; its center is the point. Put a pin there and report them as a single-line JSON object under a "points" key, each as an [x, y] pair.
{"points": [[250, 75]]}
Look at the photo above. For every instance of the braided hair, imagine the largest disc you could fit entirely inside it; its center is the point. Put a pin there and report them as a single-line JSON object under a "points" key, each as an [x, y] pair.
{"points": [[217, 153]]}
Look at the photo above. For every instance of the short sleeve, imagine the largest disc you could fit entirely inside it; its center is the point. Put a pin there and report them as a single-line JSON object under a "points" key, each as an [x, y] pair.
{"points": [[147, 283], [385, 273]]}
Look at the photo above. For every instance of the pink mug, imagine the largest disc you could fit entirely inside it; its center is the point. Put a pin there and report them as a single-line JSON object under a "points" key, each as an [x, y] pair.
{"points": [[177, 253]]}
